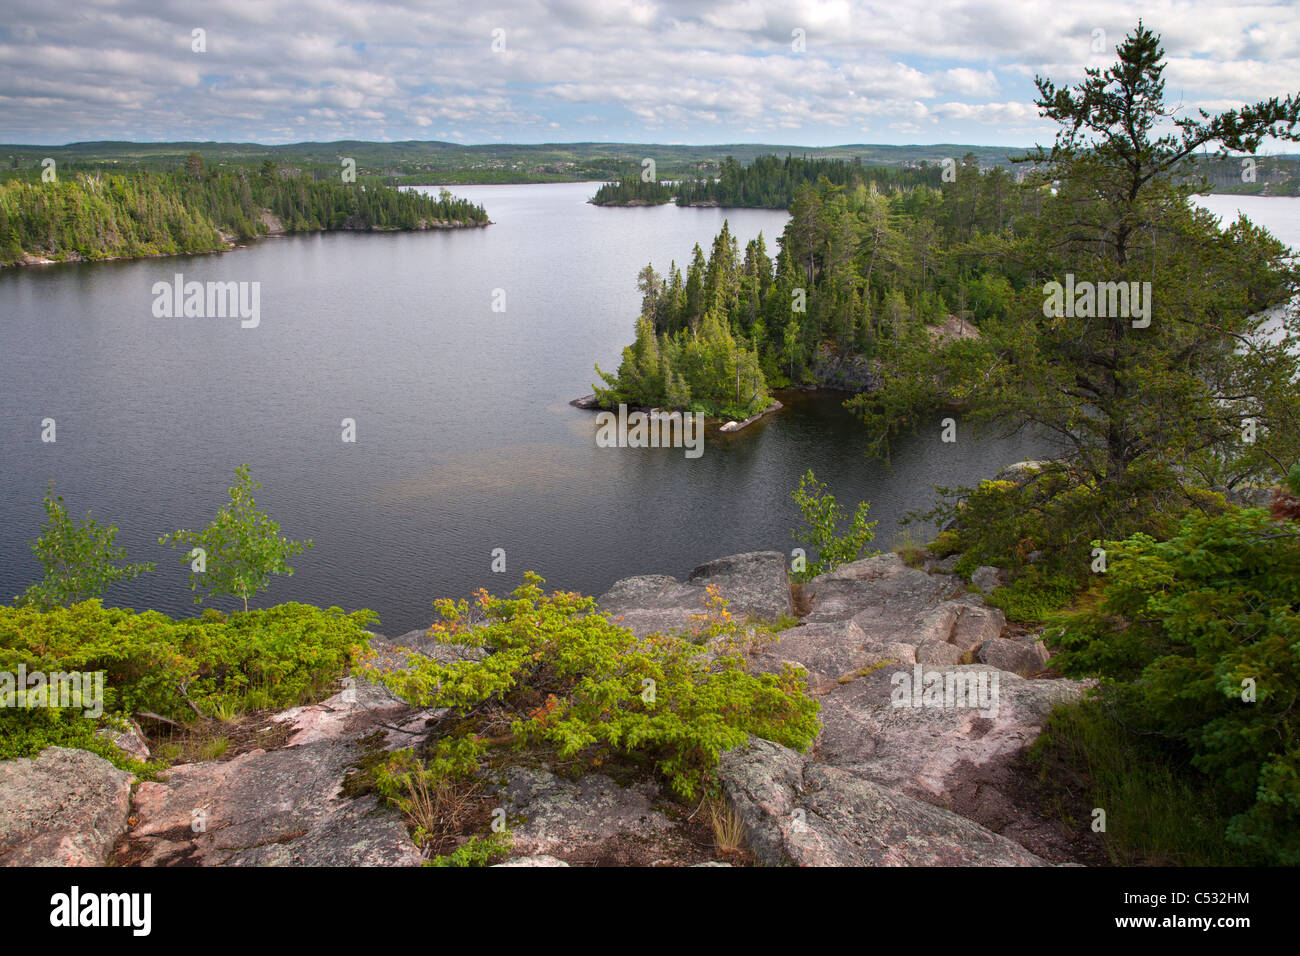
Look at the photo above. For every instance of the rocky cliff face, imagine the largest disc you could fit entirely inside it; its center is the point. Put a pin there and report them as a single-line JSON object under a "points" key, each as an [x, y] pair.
{"points": [[928, 702]]}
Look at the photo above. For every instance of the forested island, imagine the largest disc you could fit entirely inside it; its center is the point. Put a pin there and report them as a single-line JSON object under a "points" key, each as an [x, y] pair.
{"points": [[193, 209], [634, 191], [769, 182], [861, 275]]}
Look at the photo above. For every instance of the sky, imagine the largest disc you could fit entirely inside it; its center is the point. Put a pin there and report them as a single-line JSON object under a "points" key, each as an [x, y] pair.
{"points": [[808, 73]]}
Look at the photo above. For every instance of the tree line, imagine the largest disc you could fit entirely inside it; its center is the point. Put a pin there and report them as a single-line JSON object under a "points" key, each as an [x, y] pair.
{"points": [[769, 182], [96, 216], [633, 190]]}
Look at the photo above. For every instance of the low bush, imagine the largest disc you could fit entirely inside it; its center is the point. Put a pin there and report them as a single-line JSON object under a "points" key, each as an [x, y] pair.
{"points": [[1197, 640], [211, 665], [564, 679]]}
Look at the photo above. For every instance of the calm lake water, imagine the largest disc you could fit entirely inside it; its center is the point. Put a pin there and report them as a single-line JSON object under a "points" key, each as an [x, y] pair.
{"points": [[465, 439]]}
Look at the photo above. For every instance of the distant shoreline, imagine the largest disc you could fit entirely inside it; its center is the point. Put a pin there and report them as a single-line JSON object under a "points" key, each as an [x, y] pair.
{"points": [[31, 259]]}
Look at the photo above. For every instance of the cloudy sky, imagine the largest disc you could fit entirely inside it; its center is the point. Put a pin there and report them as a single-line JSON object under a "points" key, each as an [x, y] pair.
{"points": [[804, 73]]}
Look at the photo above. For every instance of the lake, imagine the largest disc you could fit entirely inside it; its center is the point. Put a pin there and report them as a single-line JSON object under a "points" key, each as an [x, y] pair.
{"points": [[465, 438]]}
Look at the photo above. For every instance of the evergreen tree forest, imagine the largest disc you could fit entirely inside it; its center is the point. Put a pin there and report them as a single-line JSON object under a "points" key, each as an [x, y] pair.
{"points": [[860, 273], [769, 182], [99, 216], [633, 190]]}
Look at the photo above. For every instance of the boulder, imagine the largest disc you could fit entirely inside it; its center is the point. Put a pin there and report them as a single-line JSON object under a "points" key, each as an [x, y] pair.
{"points": [[653, 603], [854, 374], [128, 738], [429, 646], [988, 578], [1019, 657], [799, 812], [891, 596], [976, 625], [894, 604], [549, 816], [944, 565], [924, 750], [267, 808], [286, 806], [937, 652], [62, 808], [755, 585], [825, 651], [363, 707], [1021, 472]]}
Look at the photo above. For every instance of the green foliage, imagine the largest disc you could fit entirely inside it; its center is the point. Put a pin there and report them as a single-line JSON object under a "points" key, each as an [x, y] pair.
{"points": [[992, 525], [1185, 628], [770, 181], [432, 791], [242, 548], [1034, 594], [1144, 423], [79, 558], [284, 655], [138, 214], [585, 689], [633, 190], [687, 353], [477, 851], [25, 732], [822, 518], [1051, 516]]}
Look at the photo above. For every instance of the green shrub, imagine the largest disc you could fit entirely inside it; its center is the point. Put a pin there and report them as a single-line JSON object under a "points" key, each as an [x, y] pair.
{"points": [[1035, 595], [585, 689], [1198, 641], [477, 851], [236, 554], [80, 558], [822, 517], [437, 792], [1054, 518], [26, 732], [279, 657]]}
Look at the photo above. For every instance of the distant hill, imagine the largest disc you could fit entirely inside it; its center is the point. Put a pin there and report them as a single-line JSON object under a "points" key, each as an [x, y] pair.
{"points": [[431, 161], [435, 161]]}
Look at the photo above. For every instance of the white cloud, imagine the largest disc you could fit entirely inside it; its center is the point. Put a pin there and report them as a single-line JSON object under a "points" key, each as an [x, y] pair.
{"points": [[971, 82], [694, 70]]}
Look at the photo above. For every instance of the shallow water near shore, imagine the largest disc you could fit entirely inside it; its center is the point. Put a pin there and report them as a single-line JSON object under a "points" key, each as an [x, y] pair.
{"points": [[465, 438]]}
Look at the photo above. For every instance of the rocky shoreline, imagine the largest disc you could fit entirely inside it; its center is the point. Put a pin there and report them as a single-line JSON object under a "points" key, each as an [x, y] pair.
{"points": [[591, 403], [230, 243], [884, 783]]}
